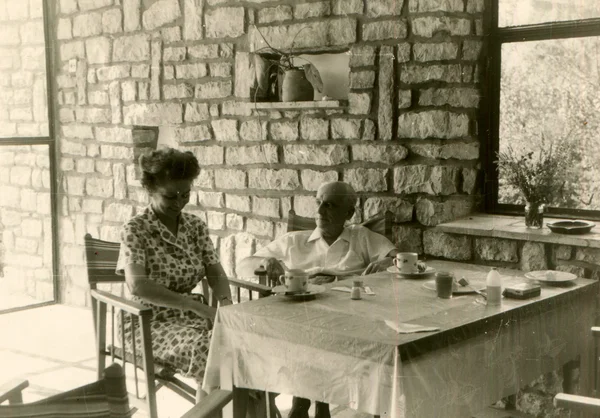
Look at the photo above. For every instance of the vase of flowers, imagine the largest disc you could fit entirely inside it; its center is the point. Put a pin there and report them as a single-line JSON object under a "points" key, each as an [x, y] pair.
{"points": [[540, 175]]}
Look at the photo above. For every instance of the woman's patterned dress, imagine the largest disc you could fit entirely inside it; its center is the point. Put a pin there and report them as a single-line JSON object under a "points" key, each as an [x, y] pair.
{"points": [[180, 340]]}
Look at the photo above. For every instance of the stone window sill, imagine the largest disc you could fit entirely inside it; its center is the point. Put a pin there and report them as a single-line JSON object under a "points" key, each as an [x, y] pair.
{"points": [[317, 104], [513, 227]]}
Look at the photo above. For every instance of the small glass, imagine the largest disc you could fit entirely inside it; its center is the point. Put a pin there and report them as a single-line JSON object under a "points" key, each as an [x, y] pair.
{"points": [[355, 293], [444, 281]]}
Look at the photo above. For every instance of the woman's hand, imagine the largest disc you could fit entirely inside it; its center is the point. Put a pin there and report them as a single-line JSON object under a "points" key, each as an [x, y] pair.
{"points": [[202, 310]]}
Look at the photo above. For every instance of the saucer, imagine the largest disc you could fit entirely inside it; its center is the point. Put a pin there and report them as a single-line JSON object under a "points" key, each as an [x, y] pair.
{"points": [[428, 272], [456, 289], [550, 276], [571, 227], [311, 291]]}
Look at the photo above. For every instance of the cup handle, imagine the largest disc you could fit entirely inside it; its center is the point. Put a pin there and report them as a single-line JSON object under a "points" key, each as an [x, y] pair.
{"points": [[282, 280], [395, 263]]}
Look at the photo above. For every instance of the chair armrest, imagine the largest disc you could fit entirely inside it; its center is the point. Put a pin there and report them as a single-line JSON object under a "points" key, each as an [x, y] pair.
{"points": [[121, 303], [577, 403], [254, 287], [210, 405], [11, 391], [596, 332]]}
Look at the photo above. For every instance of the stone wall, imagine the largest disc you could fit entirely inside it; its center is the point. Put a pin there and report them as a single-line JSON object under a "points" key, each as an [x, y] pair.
{"points": [[23, 110], [406, 139]]}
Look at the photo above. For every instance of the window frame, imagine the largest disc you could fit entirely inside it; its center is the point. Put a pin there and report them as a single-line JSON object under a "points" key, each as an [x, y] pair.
{"points": [[50, 141], [490, 109]]}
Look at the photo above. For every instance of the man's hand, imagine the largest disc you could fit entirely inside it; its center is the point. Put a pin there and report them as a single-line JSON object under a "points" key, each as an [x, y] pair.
{"points": [[377, 266], [274, 269]]}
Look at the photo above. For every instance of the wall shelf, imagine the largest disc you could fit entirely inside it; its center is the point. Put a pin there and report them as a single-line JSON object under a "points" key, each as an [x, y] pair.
{"points": [[317, 104]]}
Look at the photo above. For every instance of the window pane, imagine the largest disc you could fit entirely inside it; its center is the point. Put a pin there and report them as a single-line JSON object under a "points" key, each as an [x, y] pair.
{"points": [[552, 88], [529, 12], [23, 109], [26, 275]]}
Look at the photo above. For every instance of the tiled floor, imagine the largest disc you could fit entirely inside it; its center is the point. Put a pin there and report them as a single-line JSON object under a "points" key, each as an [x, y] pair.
{"points": [[53, 347]]}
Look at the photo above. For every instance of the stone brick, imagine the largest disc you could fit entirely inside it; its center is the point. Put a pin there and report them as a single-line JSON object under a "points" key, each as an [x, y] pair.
{"points": [[386, 88], [177, 91], [68, 50], [284, 131], [359, 103], [533, 256], [88, 24], [68, 6], [432, 25], [589, 255], [452, 247], [330, 32], [99, 187], [431, 213], [253, 130], [345, 128], [433, 123], [239, 203], [64, 29], [311, 179], [458, 150], [224, 22], [268, 179], [367, 179], [230, 179], [307, 10], [128, 91], [275, 14], [213, 90], [118, 212], [215, 220], [93, 4], [161, 13], [415, 74], [194, 133], [196, 112], [315, 129], [386, 154], [32, 33], [120, 182], [225, 129], [77, 131], [382, 30], [408, 238], [131, 48], [378, 8], [209, 155], [92, 206], [234, 221], [116, 152], [174, 53], [153, 114], [475, 6], [255, 154], [259, 227], [362, 55], [205, 179], [471, 50], [562, 252], [402, 209], [98, 50], [113, 72], [265, 206], [211, 199], [192, 22], [328, 155], [469, 180], [435, 51], [219, 69], [93, 115], [346, 7], [235, 108], [85, 165], [368, 130], [494, 249], [305, 206], [362, 80], [422, 6], [434, 180], [112, 21], [131, 14], [203, 51], [68, 147], [456, 97]]}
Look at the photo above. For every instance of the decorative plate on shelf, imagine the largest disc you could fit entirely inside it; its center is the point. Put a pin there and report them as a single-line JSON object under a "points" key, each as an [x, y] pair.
{"points": [[571, 227], [550, 276], [420, 275]]}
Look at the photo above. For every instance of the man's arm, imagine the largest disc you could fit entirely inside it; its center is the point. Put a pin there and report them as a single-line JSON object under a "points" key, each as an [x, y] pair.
{"points": [[381, 248]]}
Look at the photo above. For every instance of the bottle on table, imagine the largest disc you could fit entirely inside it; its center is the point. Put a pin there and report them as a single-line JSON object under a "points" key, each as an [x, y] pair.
{"points": [[355, 292], [494, 287]]}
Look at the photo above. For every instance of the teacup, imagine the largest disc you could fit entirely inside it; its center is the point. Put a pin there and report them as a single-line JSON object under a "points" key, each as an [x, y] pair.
{"points": [[406, 262], [294, 281]]}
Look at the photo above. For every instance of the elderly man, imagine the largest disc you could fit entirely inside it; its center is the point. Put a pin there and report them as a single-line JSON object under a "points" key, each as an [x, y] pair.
{"points": [[331, 249]]}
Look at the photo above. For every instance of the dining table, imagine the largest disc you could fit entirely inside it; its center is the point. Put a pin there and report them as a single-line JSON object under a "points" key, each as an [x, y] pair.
{"points": [[464, 356]]}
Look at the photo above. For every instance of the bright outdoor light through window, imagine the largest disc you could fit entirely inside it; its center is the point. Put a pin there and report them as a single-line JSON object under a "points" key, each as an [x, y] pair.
{"points": [[529, 12]]}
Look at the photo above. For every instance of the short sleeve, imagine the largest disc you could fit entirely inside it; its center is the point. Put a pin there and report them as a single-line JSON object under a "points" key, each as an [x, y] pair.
{"points": [[132, 249], [207, 249], [378, 246]]}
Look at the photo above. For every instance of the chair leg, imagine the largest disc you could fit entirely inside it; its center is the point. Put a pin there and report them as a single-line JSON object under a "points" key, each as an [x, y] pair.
{"points": [[148, 367], [100, 322]]}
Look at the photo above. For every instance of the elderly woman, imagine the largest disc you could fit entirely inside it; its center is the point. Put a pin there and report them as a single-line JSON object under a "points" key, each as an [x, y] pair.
{"points": [[164, 254]]}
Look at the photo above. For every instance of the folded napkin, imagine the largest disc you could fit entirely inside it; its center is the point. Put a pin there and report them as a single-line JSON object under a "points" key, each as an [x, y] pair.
{"points": [[404, 328]]}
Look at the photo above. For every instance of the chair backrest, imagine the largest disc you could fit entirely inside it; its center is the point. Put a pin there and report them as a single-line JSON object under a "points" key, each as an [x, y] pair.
{"points": [[380, 223], [101, 258], [104, 398]]}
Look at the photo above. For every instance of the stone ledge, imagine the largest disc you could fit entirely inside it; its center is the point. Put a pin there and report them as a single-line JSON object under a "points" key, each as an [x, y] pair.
{"points": [[317, 104], [513, 227]]}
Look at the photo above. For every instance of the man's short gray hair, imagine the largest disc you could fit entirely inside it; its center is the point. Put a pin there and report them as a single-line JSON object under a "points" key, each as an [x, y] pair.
{"points": [[345, 190]]}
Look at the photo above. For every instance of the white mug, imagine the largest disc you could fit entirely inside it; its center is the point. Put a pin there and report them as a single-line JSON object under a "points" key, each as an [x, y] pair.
{"points": [[406, 262], [294, 281]]}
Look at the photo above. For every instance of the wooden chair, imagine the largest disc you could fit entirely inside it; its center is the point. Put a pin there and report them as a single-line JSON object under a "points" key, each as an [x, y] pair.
{"points": [[101, 257], [587, 405], [380, 223], [106, 397]]}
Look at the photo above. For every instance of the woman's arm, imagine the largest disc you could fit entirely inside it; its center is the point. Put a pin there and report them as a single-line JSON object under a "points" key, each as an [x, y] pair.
{"points": [[148, 290], [217, 280]]}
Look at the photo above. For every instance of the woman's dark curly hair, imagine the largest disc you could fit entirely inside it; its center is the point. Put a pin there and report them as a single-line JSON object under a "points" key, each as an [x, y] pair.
{"points": [[165, 165]]}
